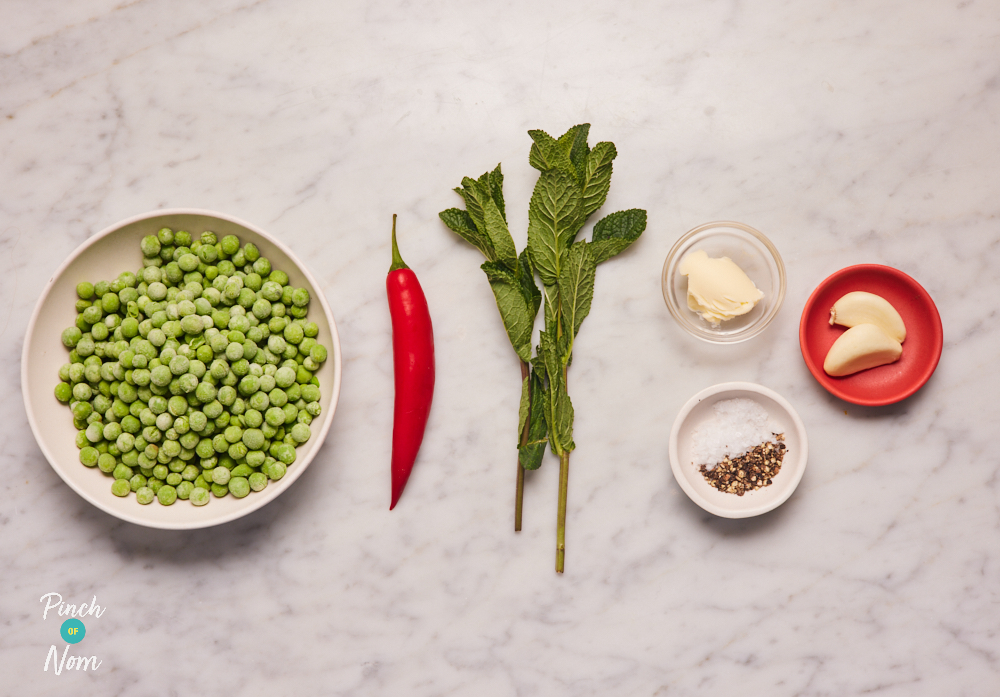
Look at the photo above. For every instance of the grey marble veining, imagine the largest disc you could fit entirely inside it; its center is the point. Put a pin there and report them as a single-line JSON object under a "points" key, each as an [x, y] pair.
{"points": [[848, 132]]}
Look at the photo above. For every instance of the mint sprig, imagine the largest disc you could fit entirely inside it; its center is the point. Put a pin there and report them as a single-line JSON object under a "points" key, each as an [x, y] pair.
{"points": [[573, 183]]}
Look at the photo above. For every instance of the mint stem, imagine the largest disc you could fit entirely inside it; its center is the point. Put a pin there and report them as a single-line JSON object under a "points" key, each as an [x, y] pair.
{"points": [[561, 515]]}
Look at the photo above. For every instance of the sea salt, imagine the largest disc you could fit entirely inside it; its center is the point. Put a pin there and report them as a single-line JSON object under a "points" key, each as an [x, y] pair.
{"points": [[736, 426]]}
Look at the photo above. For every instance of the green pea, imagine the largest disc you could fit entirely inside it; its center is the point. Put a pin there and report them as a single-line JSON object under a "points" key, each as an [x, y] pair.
{"points": [[89, 456], [318, 353], [277, 469], [239, 487], [85, 290], [166, 495], [301, 433], [145, 495], [257, 481], [199, 496], [137, 481], [121, 487], [64, 392]]}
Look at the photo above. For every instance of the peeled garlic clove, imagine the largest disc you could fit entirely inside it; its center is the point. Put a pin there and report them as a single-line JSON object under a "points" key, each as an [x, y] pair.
{"points": [[861, 347], [860, 307]]}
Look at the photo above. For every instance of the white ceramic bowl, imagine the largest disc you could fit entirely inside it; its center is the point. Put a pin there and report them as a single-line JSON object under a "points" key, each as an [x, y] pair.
{"points": [[753, 253], [781, 418], [104, 256]]}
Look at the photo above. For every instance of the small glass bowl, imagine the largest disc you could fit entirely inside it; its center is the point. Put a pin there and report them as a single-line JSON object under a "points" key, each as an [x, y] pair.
{"points": [[753, 253]]}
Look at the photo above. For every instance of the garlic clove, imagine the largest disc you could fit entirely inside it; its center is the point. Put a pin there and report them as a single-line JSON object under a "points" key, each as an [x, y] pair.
{"points": [[860, 307], [861, 347]]}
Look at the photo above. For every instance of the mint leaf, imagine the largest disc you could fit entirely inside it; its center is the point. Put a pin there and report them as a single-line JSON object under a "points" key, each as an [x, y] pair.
{"points": [[552, 309], [549, 154], [597, 177], [514, 309], [575, 142], [499, 235], [615, 232], [474, 197], [558, 407], [552, 222], [495, 183], [576, 289], [526, 277], [530, 454], [461, 223]]}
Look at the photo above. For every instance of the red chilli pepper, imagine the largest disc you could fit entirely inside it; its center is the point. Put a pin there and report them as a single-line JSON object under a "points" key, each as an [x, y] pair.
{"points": [[413, 361]]}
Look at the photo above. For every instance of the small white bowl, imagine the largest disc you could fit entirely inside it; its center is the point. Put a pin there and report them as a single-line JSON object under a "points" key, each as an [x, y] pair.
{"points": [[753, 253], [781, 418], [104, 256]]}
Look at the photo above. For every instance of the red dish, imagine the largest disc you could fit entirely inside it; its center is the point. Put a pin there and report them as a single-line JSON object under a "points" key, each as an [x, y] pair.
{"points": [[886, 384]]}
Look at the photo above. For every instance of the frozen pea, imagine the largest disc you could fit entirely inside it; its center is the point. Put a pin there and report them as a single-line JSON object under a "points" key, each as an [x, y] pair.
{"points": [[137, 481], [64, 392], [184, 490], [249, 385], [89, 456], [145, 495], [95, 432], [112, 431], [125, 441], [286, 454], [192, 324], [318, 353], [177, 406], [173, 479], [252, 418], [198, 420], [106, 462], [293, 334], [85, 290], [237, 451], [122, 471], [254, 439], [166, 495], [259, 401], [121, 488], [275, 416], [257, 481], [310, 393], [284, 377], [221, 475], [219, 490], [239, 487], [277, 469], [199, 496], [301, 433], [300, 297]]}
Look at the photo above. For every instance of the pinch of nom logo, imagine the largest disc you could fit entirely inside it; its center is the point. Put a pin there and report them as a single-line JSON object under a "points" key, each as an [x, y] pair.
{"points": [[72, 631]]}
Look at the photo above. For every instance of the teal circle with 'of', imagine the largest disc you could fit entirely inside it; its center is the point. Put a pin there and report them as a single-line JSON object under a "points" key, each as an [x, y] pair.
{"points": [[73, 631]]}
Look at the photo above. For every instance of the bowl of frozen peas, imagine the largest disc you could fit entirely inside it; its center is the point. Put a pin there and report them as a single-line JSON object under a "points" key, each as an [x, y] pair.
{"points": [[181, 369]]}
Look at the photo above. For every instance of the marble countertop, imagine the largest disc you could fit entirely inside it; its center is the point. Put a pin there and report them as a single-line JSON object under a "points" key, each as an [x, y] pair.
{"points": [[847, 132]]}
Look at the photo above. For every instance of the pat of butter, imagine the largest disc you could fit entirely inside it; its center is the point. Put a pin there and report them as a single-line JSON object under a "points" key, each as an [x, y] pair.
{"points": [[718, 289]]}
